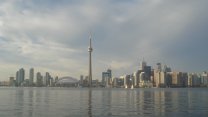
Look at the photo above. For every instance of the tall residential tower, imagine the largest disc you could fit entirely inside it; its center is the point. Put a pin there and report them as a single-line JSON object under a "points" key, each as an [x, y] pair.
{"points": [[31, 76], [20, 76]]}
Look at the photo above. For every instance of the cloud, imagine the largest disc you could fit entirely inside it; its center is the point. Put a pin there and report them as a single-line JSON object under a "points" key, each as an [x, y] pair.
{"points": [[53, 35]]}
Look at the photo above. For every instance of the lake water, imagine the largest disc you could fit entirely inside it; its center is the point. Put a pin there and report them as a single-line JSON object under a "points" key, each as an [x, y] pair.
{"points": [[81, 102]]}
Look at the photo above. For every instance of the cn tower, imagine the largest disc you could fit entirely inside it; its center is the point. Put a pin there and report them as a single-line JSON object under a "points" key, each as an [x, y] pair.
{"points": [[90, 62]]}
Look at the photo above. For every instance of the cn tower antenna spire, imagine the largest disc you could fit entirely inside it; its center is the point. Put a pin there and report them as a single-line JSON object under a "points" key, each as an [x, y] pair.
{"points": [[90, 39], [90, 61]]}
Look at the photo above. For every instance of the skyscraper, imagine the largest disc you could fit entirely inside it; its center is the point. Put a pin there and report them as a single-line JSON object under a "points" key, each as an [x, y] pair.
{"points": [[31, 76], [47, 77], [159, 67], [17, 79], [142, 65], [90, 63], [20, 76], [39, 81], [106, 77]]}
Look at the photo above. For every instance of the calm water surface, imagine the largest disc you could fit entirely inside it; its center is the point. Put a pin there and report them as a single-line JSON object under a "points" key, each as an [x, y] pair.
{"points": [[75, 102]]}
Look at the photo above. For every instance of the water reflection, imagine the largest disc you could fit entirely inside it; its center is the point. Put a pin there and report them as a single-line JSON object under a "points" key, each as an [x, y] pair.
{"points": [[42, 102], [19, 102], [90, 103], [30, 103], [106, 109], [151, 102]]}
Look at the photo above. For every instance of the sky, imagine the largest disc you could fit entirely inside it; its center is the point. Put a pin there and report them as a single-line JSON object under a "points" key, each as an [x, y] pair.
{"points": [[53, 36]]}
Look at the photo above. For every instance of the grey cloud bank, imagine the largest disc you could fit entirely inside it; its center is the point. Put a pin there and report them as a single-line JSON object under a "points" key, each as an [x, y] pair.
{"points": [[52, 35]]}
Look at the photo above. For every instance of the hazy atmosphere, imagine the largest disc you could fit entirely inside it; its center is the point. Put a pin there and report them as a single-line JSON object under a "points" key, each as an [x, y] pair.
{"points": [[53, 35]]}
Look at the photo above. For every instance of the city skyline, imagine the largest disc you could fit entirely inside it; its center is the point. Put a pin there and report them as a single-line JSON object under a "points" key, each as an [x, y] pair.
{"points": [[53, 35], [145, 76]]}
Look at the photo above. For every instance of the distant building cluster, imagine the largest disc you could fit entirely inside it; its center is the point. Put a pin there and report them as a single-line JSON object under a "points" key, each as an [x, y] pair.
{"points": [[84, 82], [162, 76], [39, 81]]}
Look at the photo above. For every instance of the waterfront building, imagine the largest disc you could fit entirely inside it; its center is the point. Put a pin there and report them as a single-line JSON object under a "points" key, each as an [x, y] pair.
{"points": [[179, 79], [108, 82], [193, 80], [56, 79], [26, 83], [136, 79], [132, 80], [51, 82], [122, 77], [184, 79], [4, 83], [127, 81], [85, 82], [159, 67], [17, 74], [142, 78], [168, 79], [20, 76], [160, 78], [46, 81], [204, 79], [81, 81], [152, 78], [11, 81], [95, 83], [39, 80], [117, 82], [163, 80], [155, 77], [175, 79], [144, 83], [142, 65], [147, 71], [107, 78], [31, 77]]}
